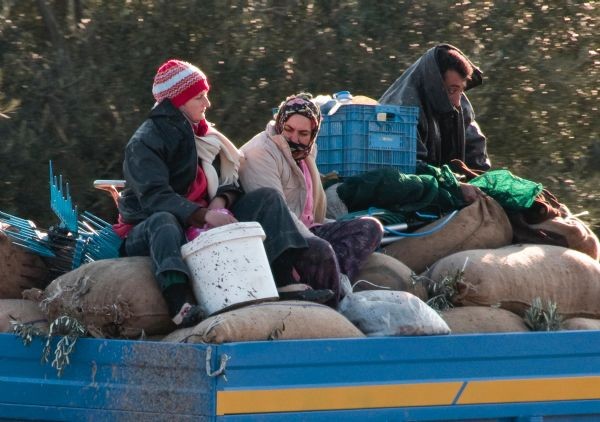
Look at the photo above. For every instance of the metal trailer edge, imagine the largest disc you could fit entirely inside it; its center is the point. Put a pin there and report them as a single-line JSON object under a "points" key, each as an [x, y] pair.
{"points": [[505, 377]]}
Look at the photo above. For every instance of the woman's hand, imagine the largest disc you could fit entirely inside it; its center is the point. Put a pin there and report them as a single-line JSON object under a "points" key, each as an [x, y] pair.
{"points": [[217, 202], [470, 193], [219, 217]]}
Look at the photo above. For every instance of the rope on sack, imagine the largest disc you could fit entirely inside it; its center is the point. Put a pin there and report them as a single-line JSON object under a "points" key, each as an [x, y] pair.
{"points": [[368, 282], [222, 364], [348, 288]]}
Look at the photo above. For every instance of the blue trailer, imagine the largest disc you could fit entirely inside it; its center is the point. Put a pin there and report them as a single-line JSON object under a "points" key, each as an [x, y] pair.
{"points": [[531, 376], [506, 377]]}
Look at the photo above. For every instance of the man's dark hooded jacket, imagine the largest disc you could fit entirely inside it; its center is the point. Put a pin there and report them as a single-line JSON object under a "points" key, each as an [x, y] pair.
{"points": [[445, 132]]}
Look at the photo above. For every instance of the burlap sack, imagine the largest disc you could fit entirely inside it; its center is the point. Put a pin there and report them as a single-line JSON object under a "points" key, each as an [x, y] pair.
{"points": [[483, 319], [284, 320], [23, 311], [19, 269], [116, 298], [481, 225], [387, 272], [391, 313], [581, 324], [511, 277], [575, 232]]}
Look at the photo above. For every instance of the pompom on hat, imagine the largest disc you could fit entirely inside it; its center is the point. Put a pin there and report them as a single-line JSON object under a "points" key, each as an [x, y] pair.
{"points": [[179, 81]]}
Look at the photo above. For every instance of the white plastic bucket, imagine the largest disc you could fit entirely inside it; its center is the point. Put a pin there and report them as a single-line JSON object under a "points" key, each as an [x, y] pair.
{"points": [[229, 267]]}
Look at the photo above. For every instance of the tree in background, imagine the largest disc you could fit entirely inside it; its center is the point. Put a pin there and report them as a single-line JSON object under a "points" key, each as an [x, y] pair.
{"points": [[76, 79]]}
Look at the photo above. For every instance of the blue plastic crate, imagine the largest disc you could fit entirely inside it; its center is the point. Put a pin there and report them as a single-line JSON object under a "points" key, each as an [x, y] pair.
{"points": [[360, 138]]}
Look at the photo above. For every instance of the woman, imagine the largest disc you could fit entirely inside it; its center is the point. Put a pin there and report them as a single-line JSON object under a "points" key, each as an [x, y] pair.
{"points": [[282, 157], [182, 175]]}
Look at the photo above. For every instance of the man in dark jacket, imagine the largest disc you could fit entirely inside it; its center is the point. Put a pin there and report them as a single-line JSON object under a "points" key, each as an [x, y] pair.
{"points": [[447, 129]]}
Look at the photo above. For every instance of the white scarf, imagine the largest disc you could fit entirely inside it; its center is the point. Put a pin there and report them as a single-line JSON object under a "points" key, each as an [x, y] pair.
{"points": [[209, 146]]}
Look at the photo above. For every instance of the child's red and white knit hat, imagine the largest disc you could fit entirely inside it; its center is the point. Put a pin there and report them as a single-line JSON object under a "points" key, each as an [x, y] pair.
{"points": [[178, 80]]}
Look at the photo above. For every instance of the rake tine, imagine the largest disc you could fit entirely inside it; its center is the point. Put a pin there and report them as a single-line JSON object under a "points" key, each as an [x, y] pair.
{"points": [[97, 220], [40, 249]]}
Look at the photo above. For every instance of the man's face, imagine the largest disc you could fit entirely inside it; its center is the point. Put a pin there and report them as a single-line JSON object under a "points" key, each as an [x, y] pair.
{"points": [[455, 85]]}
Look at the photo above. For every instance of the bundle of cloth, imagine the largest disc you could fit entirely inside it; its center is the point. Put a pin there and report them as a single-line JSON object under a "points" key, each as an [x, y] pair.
{"points": [[545, 221]]}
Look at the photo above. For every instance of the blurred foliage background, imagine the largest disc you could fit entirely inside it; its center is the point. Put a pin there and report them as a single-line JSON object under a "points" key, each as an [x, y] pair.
{"points": [[76, 77]]}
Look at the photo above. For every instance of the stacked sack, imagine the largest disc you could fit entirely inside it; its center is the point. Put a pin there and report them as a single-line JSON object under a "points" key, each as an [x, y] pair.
{"points": [[19, 270], [119, 298], [500, 281]]}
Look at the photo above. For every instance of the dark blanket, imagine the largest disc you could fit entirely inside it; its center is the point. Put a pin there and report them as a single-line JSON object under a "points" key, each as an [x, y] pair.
{"points": [[433, 189]]}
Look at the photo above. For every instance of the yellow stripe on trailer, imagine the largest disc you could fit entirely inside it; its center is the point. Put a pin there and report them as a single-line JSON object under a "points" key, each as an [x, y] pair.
{"points": [[408, 395], [333, 398], [530, 390]]}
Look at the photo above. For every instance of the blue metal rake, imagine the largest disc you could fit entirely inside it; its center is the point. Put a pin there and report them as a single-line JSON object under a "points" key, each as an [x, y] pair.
{"points": [[101, 241], [23, 233], [62, 205], [95, 238], [79, 239]]}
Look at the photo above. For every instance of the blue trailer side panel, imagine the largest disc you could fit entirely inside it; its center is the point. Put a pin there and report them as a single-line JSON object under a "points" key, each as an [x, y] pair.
{"points": [[106, 380], [524, 376], [456, 377]]}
